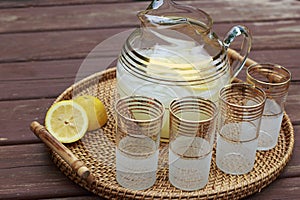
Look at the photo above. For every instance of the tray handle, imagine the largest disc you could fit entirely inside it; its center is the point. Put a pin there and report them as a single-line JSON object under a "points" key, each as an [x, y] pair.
{"points": [[65, 153]]}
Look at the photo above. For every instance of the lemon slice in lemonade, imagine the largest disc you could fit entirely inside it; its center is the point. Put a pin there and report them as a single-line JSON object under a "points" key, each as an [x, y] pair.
{"points": [[182, 70], [67, 121]]}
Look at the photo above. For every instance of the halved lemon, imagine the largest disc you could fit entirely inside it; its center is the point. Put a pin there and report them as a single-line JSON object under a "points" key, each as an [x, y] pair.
{"points": [[67, 121]]}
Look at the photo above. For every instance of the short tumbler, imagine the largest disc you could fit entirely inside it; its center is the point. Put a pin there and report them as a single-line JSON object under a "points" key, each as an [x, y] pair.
{"points": [[241, 106], [274, 80], [138, 124], [192, 133]]}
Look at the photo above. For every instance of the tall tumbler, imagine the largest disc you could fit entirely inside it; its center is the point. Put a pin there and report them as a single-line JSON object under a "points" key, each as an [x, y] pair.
{"points": [[241, 107], [274, 80], [192, 133], [138, 123]]}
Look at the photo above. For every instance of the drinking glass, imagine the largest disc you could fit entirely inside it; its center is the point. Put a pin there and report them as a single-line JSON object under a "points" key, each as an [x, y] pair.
{"points": [[241, 106], [138, 124], [274, 80], [192, 133]]}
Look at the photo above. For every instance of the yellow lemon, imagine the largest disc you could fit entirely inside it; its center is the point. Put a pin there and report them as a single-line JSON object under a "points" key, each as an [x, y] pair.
{"points": [[184, 70], [67, 121], [95, 110]]}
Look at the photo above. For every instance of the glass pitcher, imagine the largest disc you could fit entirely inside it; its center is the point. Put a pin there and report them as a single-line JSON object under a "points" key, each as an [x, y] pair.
{"points": [[175, 53]]}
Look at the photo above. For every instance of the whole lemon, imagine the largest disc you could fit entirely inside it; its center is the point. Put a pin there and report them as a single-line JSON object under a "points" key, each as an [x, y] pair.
{"points": [[95, 111]]}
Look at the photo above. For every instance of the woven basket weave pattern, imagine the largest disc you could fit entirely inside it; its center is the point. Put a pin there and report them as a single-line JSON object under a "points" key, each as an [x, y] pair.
{"points": [[97, 150]]}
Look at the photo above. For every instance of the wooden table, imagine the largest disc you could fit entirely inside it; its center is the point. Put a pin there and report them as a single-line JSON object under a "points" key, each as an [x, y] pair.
{"points": [[43, 43]]}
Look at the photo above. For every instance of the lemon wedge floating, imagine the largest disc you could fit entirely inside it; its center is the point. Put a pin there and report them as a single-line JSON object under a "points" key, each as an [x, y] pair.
{"points": [[183, 68], [67, 121], [94, 109]]}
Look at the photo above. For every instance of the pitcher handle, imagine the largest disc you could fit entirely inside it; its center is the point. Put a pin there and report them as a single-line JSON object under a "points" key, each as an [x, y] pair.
{"points": [[245, 47]]}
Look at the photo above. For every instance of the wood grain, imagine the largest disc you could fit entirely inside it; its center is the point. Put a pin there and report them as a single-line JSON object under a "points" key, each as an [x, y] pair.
{"points": [[43, 44], [46, 3], [106, 15], [45, 181], [21, 112], [70, 68], [37, 167], [39, 46]]}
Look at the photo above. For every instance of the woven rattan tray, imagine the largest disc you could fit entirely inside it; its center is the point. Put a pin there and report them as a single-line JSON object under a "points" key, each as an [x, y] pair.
{"points": [[97, 150]]}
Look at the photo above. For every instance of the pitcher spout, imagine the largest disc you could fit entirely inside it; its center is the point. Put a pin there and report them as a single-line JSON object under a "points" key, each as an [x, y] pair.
{"points": [[149, 20], [155, 4]]}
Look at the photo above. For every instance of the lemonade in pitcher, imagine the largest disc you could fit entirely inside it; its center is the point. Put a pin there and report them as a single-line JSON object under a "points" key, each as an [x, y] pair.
{"points": [[175, 54], [168, 75]]}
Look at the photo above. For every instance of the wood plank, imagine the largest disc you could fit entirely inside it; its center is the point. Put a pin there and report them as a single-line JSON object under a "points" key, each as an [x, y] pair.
{"points": [[31, 174], [44, 43], [36, 182], [42, 3], [39, 70], [16, 116], [68, 17], [71, 68], [58, 45], [27, 155], [284, 57], [38, 155], [91, 197], [267, 35], [287, 188], [51, 88], [293, 167], [30, 89], [22, 112], [77, 44], [54, 69], [38, 3], [106, 15], [293, 103]]}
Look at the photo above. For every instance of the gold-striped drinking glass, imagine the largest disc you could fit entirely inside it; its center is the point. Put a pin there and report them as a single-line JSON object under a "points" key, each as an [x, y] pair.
{"points": [[241, 106], [274, 80]]}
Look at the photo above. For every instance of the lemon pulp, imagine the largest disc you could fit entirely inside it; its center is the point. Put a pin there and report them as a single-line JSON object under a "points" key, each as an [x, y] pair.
{"points": [[67, 121]]}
